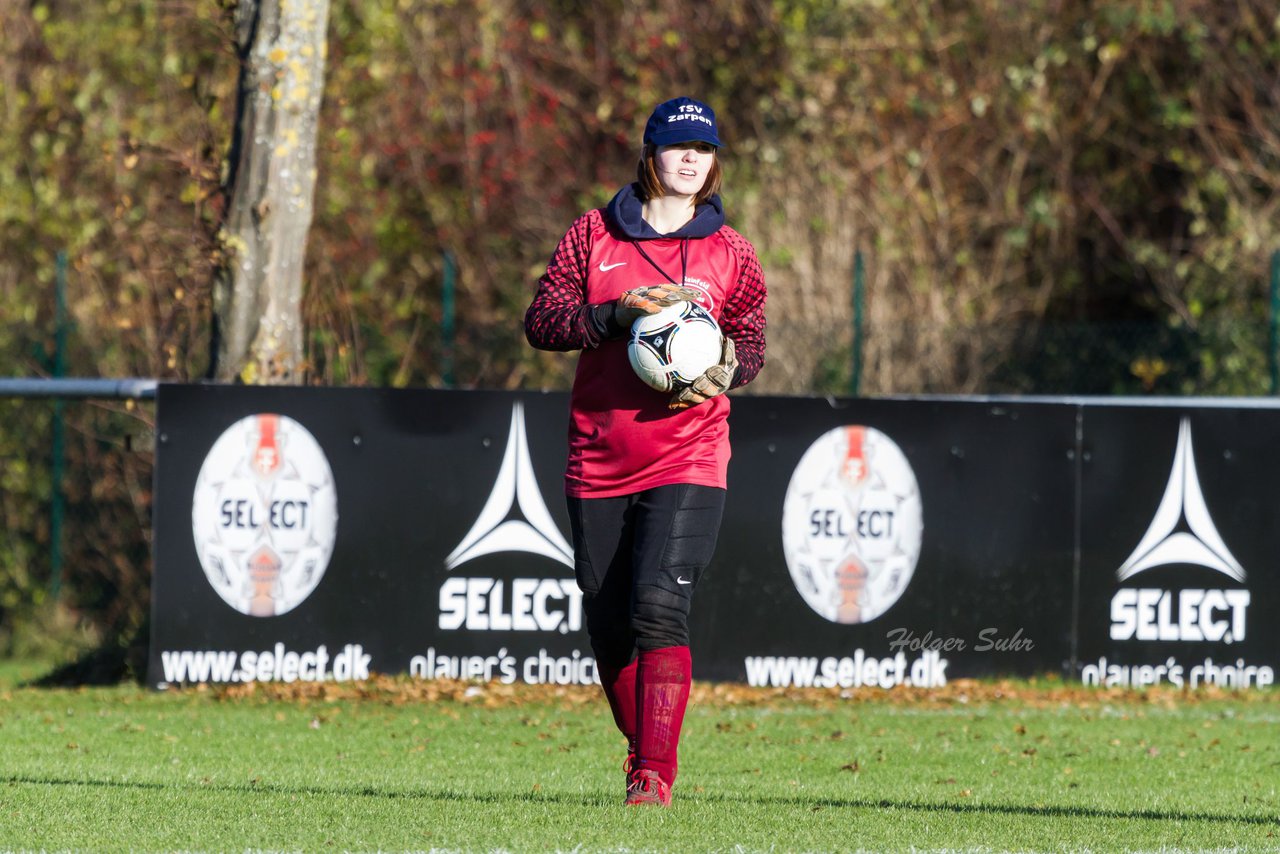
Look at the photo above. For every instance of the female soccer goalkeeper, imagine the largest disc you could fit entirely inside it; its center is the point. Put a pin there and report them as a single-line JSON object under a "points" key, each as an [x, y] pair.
{"points": [[646, 473]]}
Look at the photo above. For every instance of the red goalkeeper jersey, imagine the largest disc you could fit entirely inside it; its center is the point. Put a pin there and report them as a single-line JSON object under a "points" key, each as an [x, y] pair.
{"points": [[622, 437]]}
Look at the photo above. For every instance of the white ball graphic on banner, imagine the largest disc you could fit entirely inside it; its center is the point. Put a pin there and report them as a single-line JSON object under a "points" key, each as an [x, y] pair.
{"points": [[852, 524], [264, 515]]}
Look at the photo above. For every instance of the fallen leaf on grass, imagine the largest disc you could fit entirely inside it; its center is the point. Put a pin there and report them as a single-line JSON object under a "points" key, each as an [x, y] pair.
{"points": [[1033, 693]]}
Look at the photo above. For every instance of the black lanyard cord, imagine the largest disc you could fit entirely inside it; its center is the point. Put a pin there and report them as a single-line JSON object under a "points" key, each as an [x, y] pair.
{"points": [[684, 261]]}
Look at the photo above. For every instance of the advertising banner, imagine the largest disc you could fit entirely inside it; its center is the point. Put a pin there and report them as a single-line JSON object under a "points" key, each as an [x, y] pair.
{"points": [[331, 533], [318, 534], [1178, 545], [883, 542]]}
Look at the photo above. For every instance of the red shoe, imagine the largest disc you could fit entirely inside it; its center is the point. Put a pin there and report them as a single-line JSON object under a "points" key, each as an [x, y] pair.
{"points": [[646, 787]]}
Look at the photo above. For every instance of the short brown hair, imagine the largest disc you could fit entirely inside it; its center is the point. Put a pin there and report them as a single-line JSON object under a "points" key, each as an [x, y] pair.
{"points": [[651, 186]]}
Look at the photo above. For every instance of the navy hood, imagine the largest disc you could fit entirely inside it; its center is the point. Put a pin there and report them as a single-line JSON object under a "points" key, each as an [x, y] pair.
{"points": [[625, 214]]}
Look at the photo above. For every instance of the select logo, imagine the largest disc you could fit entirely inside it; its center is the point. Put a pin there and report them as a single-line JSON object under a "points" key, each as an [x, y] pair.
{"points": [[498, 528], [852, 524], [514, 519], [264, 515], [1182, 532]]}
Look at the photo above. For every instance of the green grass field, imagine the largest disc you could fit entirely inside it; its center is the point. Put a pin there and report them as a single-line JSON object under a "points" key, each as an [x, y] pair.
{"points": [[398, 765]]}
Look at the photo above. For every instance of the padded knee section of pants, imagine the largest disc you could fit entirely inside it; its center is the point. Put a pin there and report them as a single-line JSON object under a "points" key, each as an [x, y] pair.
{"points": [[659, 618], [661, 602], [694, 530]]}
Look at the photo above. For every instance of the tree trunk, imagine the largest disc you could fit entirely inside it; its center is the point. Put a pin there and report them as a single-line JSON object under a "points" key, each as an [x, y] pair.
{"points": [[271, 182]]}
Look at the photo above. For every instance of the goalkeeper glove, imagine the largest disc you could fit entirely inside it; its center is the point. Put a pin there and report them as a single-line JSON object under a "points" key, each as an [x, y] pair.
{"points": [[650, 299], [716, 380]]}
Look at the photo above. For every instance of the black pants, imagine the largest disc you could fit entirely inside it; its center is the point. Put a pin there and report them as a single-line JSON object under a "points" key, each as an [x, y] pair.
{"points": [[638, 559]]}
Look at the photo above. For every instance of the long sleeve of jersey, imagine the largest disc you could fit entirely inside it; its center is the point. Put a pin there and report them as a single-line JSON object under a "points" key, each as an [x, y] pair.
{"points": [[743, 316], [559, 318]]}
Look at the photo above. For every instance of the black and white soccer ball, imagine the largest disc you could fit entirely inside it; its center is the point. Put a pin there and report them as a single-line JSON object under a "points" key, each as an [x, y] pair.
{"points": [[671, 349]]}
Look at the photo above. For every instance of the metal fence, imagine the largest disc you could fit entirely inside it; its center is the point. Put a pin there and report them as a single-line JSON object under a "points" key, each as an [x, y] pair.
{"points": [[75, 493]]}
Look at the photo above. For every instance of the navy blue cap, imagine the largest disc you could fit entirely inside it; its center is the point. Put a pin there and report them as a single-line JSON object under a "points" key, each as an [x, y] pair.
{"points": [[681, 120]]}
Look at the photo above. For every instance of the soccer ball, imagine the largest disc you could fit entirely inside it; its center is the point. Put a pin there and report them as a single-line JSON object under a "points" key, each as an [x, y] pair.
{"points": [[671, 349]]}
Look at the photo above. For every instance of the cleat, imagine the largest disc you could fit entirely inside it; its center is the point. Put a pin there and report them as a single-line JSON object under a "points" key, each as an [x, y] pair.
{"points": [[645, 787]]}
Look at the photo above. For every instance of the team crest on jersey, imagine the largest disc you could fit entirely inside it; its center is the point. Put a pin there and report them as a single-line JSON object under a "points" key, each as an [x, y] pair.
{"points": [[706, 300], [852, 524], [265, 515]]}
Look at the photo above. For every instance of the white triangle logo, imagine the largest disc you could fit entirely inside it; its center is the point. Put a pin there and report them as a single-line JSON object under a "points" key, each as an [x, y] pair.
{"points": [[1163, 544], [494, 530]]}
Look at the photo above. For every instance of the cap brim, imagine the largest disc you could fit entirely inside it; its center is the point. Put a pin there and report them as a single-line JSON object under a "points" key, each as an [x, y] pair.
{"points": [[676, 136]]}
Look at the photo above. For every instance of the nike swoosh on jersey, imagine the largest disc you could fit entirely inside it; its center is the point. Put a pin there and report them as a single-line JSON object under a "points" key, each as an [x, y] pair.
{"points": [[604, 268]]}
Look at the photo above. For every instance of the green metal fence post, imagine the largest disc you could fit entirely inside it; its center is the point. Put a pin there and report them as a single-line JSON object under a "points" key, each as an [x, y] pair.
{"points": [[855, 381], [447, 318], [56, 509], [1273, 342]]}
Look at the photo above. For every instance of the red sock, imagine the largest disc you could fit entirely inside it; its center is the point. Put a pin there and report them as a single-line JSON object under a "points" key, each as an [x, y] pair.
{"points": [[620, 689], [662, 692]]}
